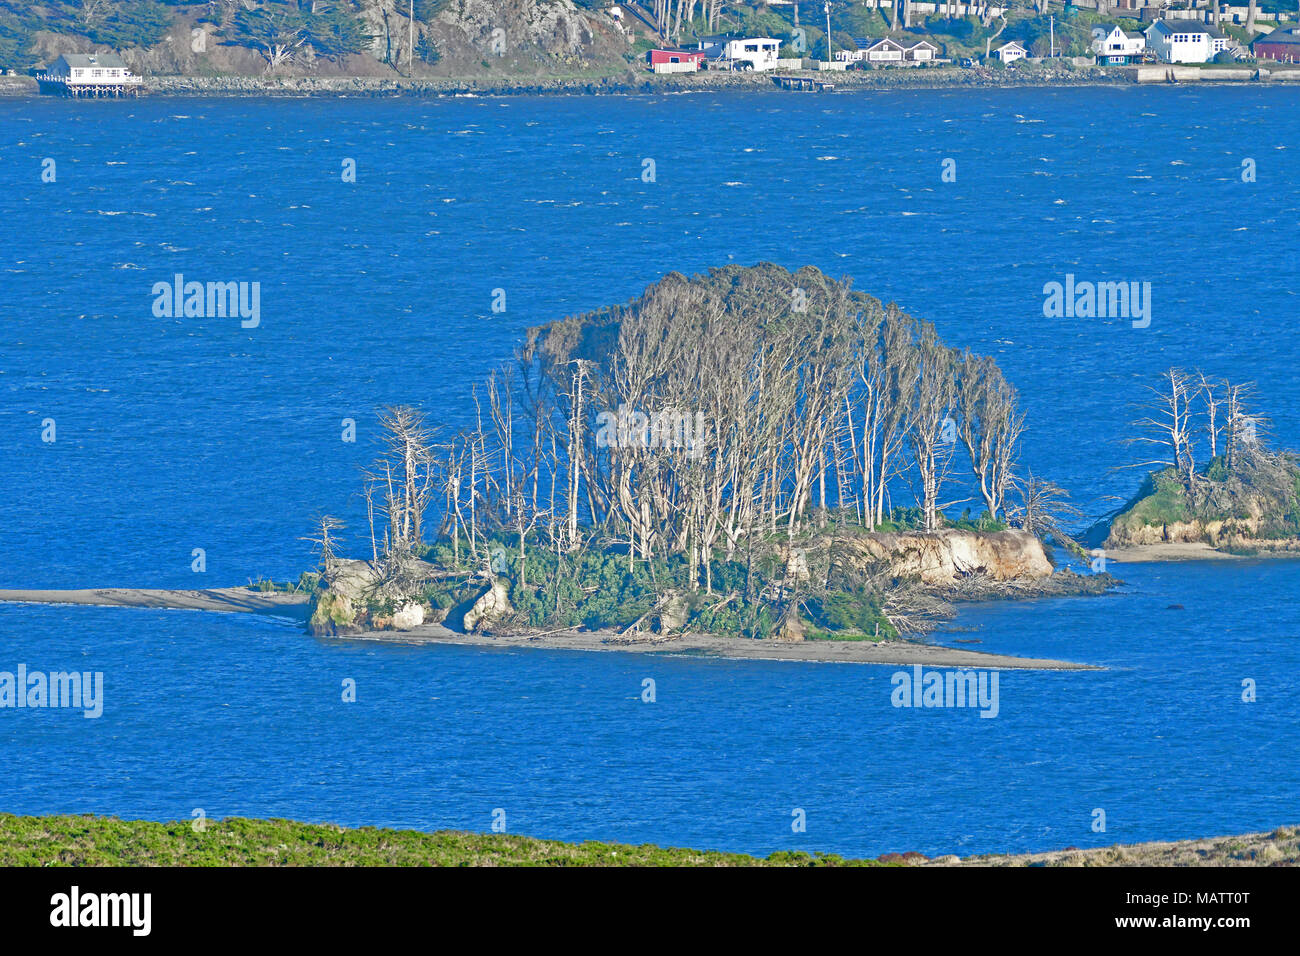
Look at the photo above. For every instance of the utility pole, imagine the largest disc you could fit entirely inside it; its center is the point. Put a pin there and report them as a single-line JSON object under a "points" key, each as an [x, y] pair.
{"points": [[410, 43], [829, 56], [1052, 24]]}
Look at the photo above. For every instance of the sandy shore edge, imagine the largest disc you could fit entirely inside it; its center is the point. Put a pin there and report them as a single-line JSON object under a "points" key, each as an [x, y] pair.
{"points": [[206, 599], [897, 653], [1187, 551]]}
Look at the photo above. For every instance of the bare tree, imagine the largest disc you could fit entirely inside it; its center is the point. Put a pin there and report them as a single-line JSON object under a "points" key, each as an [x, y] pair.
{"points": [[1242, 428], [325, 540], [1168, 427], [989, 425], [1213, 400], [1042, 510], [931, 435]]}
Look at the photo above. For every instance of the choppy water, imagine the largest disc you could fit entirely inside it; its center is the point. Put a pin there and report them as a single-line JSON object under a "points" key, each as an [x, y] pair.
{"points": [[182, 433]]}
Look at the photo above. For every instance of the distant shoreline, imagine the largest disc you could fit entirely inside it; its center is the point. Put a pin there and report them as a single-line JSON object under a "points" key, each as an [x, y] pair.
{"points": [[649, 84], [237, 599]]}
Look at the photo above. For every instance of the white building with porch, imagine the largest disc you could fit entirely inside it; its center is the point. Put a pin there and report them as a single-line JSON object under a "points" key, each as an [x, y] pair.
{"points": [[89, 74], [747, 53]]}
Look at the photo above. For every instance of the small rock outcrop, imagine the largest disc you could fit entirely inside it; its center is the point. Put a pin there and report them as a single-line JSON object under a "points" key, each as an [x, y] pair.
{"points": [[491, 605], [354, 580], [673, 614], [333, 613], [409, 615], [791, 628]]}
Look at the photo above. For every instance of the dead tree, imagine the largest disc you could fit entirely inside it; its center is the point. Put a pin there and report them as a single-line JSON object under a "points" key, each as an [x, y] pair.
{"points": [[989, 425], [1168, 427], [930, 435], [325, 541]]}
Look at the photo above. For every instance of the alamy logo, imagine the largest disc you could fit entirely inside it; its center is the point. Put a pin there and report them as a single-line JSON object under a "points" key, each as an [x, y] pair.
{"points": [[665, 429], [947, 432], [74, 908], [211, 300], [1100, 300], [61, 689], [919, 688]]}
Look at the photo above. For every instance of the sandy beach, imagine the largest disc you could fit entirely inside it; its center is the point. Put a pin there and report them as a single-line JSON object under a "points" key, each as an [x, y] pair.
{"points": [[207, 599], [898, 653], [1173, 551], [1191, 551]]}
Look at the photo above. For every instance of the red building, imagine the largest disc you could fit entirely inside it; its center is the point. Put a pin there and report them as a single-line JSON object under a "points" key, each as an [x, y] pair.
{"points": [[688, 59], [1281, 45]]}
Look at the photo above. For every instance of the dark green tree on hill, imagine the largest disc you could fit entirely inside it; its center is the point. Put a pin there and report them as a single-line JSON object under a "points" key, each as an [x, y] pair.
{"points": [[280, 29]]}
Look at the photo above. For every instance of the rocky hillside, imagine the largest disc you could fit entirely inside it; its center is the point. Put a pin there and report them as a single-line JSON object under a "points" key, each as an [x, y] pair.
{"points": [[460, 38]]}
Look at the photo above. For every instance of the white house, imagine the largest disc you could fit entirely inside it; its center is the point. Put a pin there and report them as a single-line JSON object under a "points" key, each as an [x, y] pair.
{"points": [[1010, 52], [94, 74], [1184, 41], [748, 53], [887, 51], [1118, 47]]}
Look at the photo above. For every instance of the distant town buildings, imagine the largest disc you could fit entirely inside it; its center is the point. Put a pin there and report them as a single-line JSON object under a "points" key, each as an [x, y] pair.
{"points": [[1117, 47], [1281, 45], [746, 53], [1010, 52], [675, 60], [1185, 41], [888, 51]]}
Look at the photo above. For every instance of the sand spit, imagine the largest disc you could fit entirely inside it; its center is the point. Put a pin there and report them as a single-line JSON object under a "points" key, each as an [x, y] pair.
{"points": [[207, 599]]}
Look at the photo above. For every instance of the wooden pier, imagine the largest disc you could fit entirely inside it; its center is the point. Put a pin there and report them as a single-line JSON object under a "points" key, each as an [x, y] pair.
{"points": [[64, 88], [804, 84]]}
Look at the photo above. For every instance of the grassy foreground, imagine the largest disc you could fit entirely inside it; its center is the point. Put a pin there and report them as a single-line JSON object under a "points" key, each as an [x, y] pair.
{"points": [[108, 841]]}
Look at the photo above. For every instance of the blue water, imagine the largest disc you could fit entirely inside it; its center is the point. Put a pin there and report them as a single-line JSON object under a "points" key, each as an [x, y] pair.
{"points": [[175, 434]]}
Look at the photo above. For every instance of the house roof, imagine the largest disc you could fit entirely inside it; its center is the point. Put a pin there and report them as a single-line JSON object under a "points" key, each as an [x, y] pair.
{"points": [[1288, 37], [923, 43], [107, 61], [1186, 26], [1116, 28], [1013, 45], [872, 44]]}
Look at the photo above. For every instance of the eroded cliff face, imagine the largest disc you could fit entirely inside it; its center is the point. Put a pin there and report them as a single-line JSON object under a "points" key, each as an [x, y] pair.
{"points": [[941, 557], [1234, 533]]}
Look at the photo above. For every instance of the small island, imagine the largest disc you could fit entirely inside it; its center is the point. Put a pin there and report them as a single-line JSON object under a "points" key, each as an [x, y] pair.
{"points": [[1243, 500], [712, 463], [750, 463]]}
